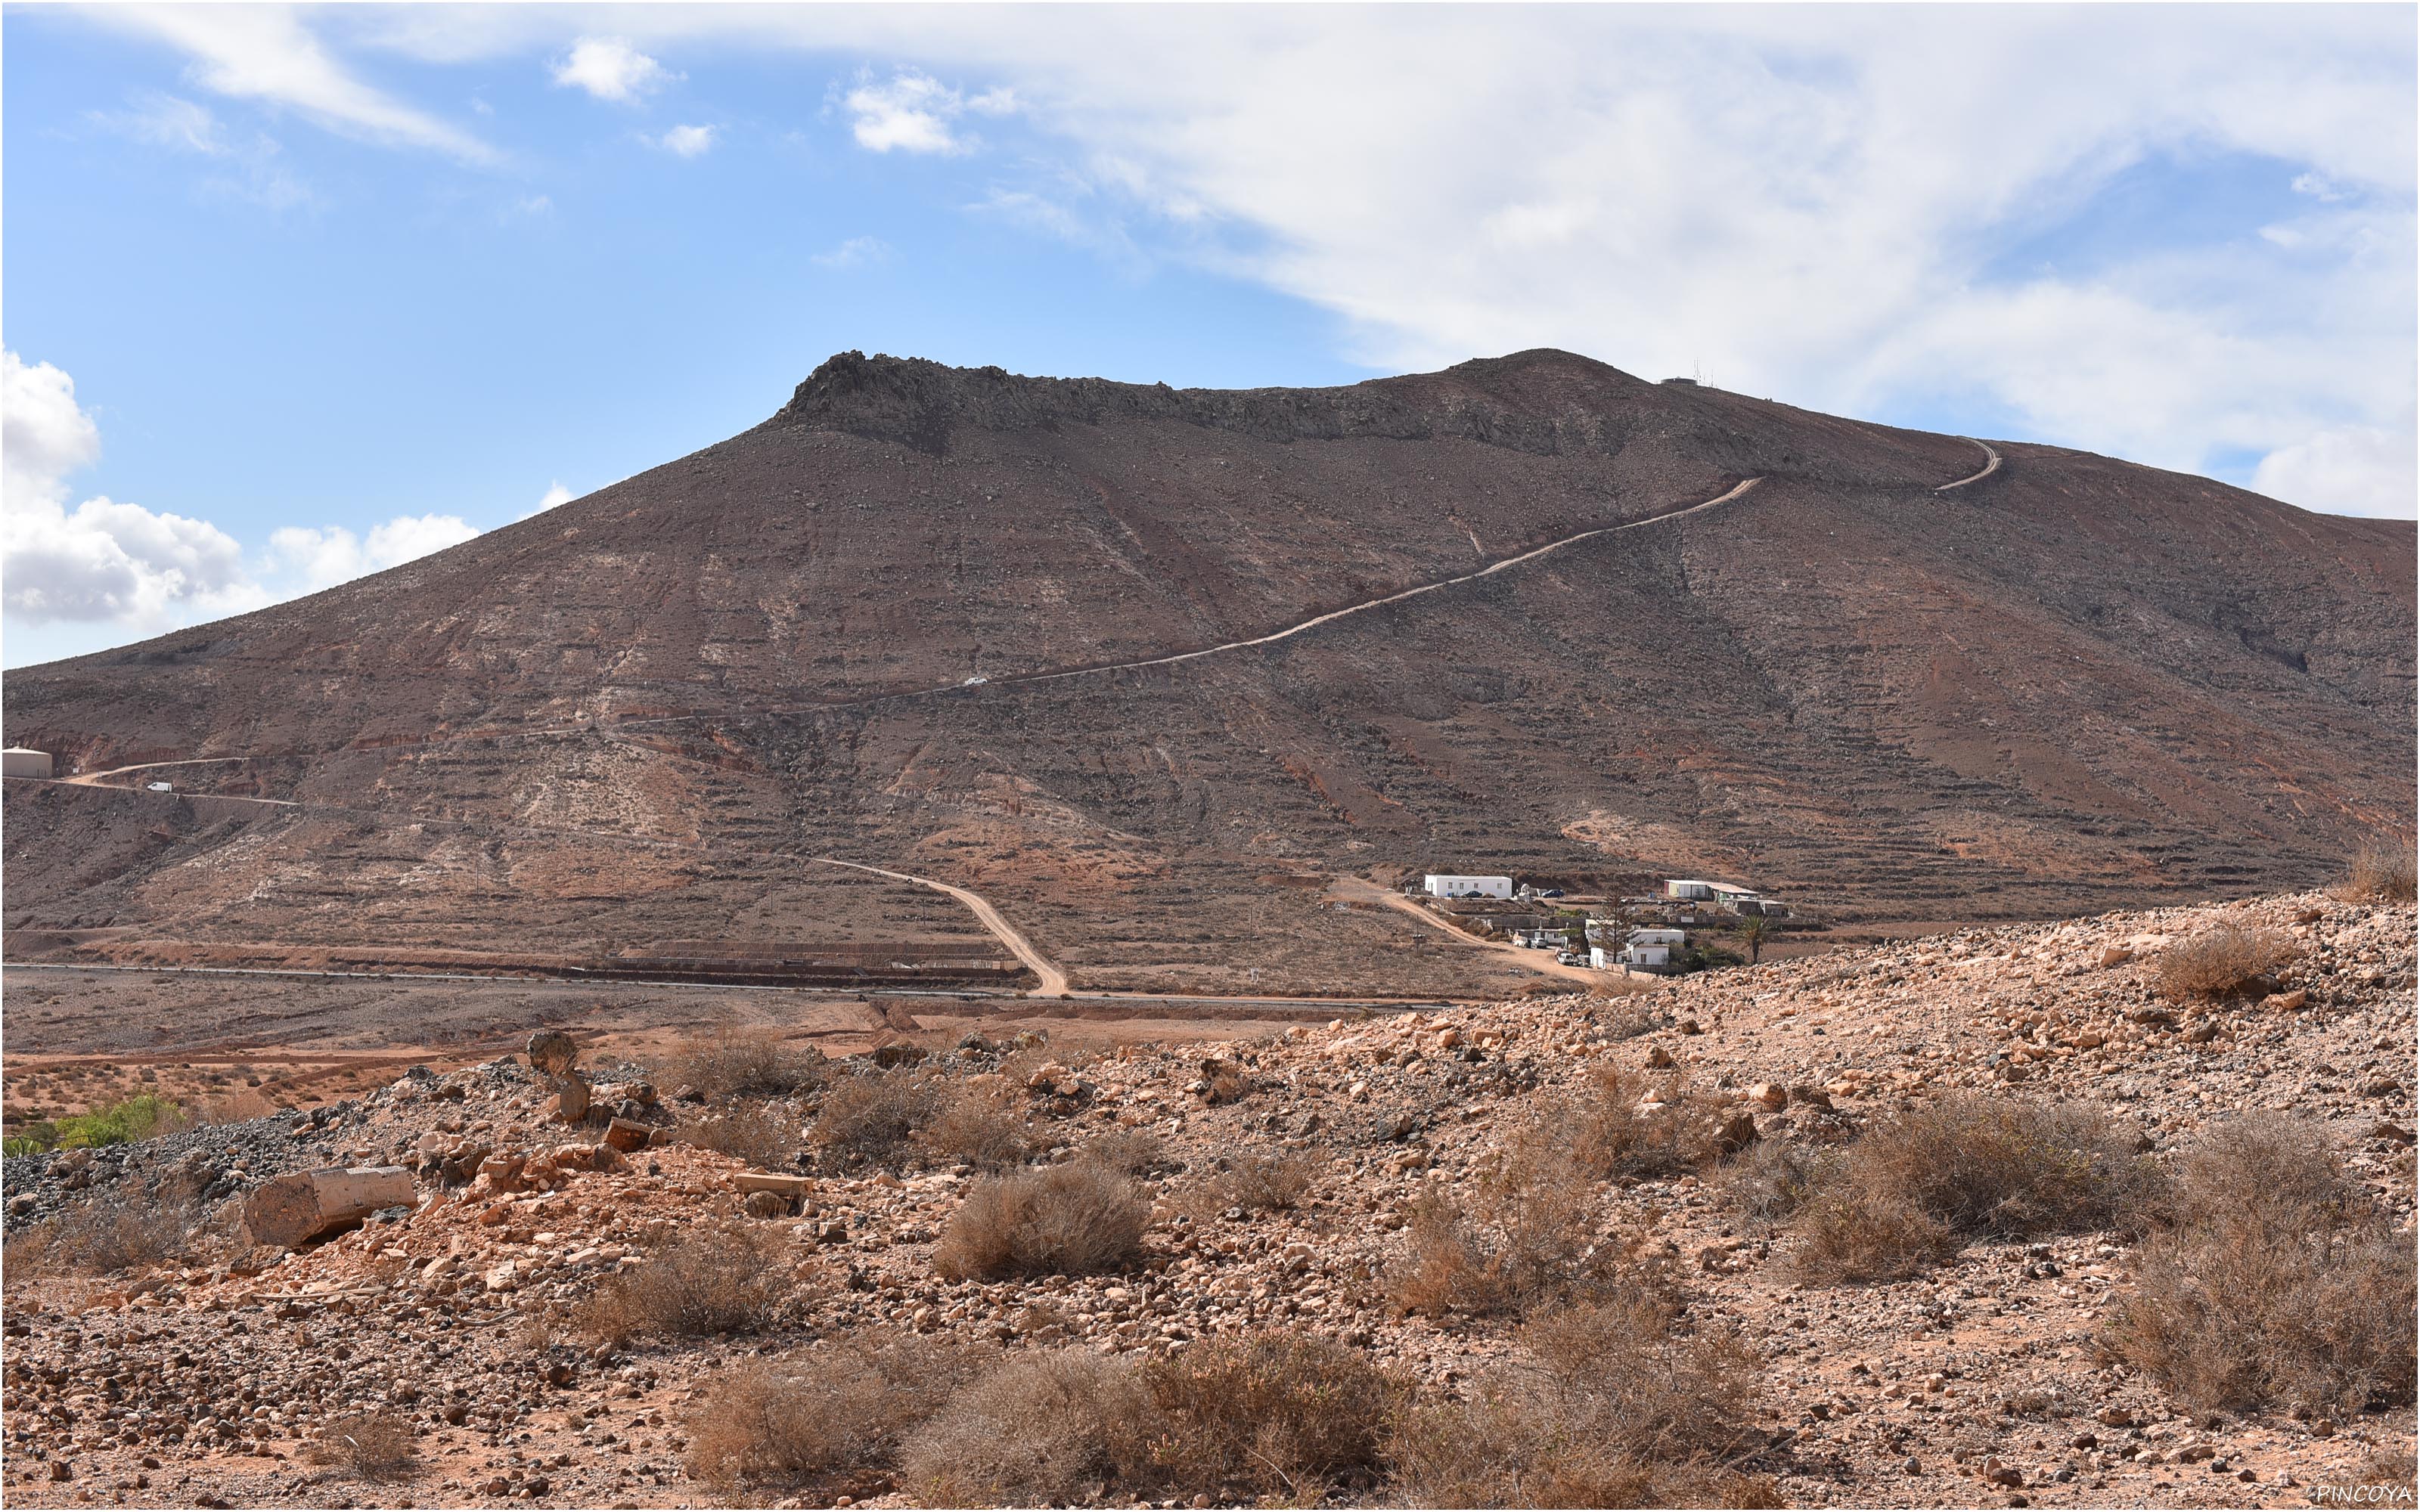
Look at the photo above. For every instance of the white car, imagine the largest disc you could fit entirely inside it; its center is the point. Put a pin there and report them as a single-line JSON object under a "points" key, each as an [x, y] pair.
{"points": [[974, 682], [1571, 958]]}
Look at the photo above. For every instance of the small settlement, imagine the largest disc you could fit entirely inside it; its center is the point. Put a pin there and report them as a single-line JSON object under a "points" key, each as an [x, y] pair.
{"points": [[1647, 934]]}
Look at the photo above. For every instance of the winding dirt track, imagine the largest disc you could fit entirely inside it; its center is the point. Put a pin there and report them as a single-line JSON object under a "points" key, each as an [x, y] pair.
{"points": [[1990, 465], [1054, 982]]}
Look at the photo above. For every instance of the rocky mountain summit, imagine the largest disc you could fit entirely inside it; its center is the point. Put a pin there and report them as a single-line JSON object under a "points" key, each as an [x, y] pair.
{"points": [[604, 1295]]}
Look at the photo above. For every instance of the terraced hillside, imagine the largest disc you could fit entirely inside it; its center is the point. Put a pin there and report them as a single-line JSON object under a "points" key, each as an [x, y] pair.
{"points": [[899, 622]]}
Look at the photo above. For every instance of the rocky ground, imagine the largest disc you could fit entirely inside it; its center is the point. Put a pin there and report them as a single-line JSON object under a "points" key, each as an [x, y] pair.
{"points": [[207, 1379]]}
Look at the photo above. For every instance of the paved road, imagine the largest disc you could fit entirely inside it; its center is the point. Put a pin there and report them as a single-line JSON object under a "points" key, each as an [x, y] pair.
{"points": [[1990, 465]]}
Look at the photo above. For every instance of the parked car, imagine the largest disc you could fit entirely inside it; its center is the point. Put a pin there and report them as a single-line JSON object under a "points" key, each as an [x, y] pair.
{"points": [[1552, 892], [1571, 958]]}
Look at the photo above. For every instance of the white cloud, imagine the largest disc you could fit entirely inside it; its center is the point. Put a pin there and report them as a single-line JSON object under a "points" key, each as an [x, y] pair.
{"points": [[132, 571], [311, 558], [686, 141], [555, 494], [855, 252], [913, 112], [103, 559], [2351, 469], [44, 434], [609, 67], [265, 53], [113, 562]]}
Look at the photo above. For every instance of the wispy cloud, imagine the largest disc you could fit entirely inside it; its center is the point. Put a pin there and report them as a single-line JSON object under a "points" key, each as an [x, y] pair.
{"points": [[609, 67], [247, 166], [856, 252], [266, 55]]}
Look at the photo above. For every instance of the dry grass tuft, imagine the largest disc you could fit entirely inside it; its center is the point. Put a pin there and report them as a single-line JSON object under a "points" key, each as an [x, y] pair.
{"points": [[874, 1119], [734, 1062], [2222, 959], [1910, 1193], [767, 1136], [839, 1409], [1615, 1404], [1529, 1237], [2272, 1282], [1271, 1416], [2384, 870], [984, 1131], [1053, 1429], [718, 1278], [373, 1445], [1078, 1219]]}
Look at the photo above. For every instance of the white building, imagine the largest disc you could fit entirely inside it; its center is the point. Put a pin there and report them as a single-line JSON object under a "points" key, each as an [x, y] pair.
{"points": [[1438, 884], [1722, 895], [22, 761], [1645, 947]]}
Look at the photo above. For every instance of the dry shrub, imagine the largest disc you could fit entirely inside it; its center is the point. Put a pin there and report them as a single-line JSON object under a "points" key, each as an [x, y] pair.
{"points": [[718, 1278], [1130, 1153], [2384, 870], [2222, 959], [2398, 1467], [835, 1410], [1259, 1182], [2272, 1282], [1612, 1137], [372, 1445], [1050, 1429], [764, 1134], [984, 1131], [117, 1228], [1271, 1414], [1077, 1219], [873, 1119], [1909, 1193], [1529, 1235], [1614, 1403], [1771, 1179], [735, 1062]]}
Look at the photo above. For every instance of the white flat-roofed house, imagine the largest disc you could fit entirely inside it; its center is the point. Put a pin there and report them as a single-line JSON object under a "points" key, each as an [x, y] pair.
{"points": [[1649, 948], [1444, 885], [23, 761]]}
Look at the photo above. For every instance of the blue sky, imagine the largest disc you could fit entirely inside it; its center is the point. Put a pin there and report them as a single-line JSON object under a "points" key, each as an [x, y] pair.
{"points": [[291, 295]]}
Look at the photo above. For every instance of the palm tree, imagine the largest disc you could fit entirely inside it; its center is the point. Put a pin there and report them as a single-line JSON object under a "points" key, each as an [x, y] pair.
{"points": [[1752, 930]]}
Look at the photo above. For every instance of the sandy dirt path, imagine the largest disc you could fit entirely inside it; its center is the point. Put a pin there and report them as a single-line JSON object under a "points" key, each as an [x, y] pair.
{"points": [[1990, 465], [1054, 981]]}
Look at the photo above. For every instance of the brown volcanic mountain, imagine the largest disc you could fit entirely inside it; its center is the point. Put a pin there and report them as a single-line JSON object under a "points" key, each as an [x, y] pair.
{"points": [[2071, 683]]}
